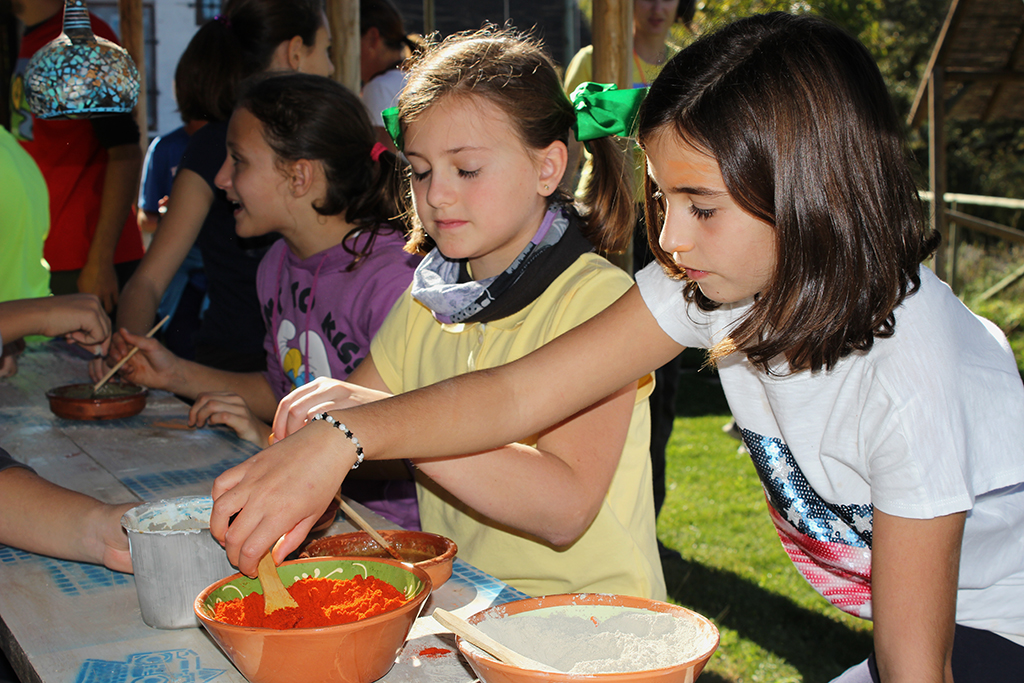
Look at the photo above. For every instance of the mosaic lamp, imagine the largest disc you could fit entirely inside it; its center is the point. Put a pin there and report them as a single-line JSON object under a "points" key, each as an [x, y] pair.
{"points": [[78, 75]]}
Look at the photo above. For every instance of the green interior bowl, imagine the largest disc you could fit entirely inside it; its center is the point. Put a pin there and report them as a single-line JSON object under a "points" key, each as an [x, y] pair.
{"points": [[407, 582]]}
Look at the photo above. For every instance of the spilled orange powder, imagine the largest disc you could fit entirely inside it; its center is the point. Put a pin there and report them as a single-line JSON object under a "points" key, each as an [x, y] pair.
{"points": [[321, 602]]}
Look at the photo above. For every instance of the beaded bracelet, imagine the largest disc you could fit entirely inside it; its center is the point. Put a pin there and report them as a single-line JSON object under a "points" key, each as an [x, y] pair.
{"points": [[326, 417]]}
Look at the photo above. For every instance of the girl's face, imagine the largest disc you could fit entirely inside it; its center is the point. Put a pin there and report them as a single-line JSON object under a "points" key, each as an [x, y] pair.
{"points": [[654, 17], [316, 59], [479, 193], [252, 179], [730, 254]]}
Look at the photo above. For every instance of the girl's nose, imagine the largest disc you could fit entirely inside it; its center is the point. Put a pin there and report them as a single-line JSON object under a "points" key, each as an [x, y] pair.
{"points": [[439, 192], [223, 177], [675, 235]]}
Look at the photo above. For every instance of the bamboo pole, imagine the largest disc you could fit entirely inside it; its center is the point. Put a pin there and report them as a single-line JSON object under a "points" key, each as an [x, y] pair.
{"points": [[343, 17], [133, 38], [937, 165], [613, 63]]}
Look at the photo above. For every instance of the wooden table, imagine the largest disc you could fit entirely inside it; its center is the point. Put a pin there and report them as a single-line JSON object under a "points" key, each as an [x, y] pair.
{"points": [[66, 621]]}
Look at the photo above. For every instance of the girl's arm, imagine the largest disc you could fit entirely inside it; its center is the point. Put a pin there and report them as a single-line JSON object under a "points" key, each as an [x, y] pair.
{"points": [[44, 518], [285, 488], [914, 569], [189, 202], [120, 190], [553, 491]]}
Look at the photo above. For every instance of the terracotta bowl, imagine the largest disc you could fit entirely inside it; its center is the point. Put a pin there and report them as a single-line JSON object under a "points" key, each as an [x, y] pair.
{"points": [[594, 606], [114, 400], [357, 652], [430, 552]]}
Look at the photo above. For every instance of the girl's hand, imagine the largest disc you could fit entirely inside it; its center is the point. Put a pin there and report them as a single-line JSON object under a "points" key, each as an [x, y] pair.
{"points": [[282, 490], [9, 358], [323, 393], [226, 408], [111, 540], [100, 278], [154, 366], [117, 350]]}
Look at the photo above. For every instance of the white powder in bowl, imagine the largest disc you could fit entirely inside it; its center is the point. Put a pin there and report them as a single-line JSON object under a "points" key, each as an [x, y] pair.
{"points": [[591, 639]]}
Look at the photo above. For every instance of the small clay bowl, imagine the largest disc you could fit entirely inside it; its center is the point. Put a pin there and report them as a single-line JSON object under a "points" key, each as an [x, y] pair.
{"points": [[114, 400], [430, 552], [358, 652], [490, 670]]}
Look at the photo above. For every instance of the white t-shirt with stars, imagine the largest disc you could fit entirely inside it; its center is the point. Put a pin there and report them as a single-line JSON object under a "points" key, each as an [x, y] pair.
{"points": [[927, 423]]}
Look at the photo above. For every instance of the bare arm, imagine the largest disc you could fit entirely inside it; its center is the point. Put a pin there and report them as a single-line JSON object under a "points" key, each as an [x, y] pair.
{"points": [[44, 518], [285, 488], [120, 188], [79, 317], [189, 202], [553, 491], [914, 569]]}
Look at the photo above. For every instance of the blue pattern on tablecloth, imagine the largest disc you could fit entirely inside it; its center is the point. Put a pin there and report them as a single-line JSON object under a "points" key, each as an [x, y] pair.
{"points": [[70, 578], [180, 666]]}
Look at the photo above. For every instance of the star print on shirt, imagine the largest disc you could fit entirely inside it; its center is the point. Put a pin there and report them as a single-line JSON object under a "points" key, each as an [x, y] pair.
{"points": [[829, 543]]}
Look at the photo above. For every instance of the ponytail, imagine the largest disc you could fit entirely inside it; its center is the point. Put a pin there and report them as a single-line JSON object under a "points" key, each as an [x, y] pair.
{"points": [[608, 208]]}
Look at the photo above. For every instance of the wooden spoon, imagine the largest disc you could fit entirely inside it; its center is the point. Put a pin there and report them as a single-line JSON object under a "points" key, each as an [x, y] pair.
{"points": [[275, 595], [466, 630], [96, 387], [365, 526]]}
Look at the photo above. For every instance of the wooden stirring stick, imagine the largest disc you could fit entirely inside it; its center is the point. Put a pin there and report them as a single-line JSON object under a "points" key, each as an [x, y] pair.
{"points": [[106, 378], [275, 595], [467, 631], [365, 526]]}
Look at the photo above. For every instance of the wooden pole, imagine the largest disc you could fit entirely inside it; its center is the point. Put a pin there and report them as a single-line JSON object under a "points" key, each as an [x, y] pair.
{"points": [[613, 41], [343, 16], [133, 37], [429, 17], [937, 165], [613, 63]]}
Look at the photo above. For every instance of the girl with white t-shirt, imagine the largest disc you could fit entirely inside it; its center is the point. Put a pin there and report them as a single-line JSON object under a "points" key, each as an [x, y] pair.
{"points": [[883, 417]]}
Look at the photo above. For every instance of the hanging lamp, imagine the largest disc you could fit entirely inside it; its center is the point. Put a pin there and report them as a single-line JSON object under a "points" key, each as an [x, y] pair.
{"points": [[79, 75]]}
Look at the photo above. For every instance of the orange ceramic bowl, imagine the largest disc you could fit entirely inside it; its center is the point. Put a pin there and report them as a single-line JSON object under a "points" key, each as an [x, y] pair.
{"points": [[357, 652], [592, 605], [114, 400], [430, 552]]}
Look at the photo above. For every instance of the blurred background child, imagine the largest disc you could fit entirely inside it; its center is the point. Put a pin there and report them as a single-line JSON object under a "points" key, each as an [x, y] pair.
{"points": [[249, 37], [383, 47]]}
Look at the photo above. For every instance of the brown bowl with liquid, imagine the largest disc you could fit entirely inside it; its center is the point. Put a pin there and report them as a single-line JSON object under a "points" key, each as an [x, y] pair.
{"points": [[113, 400], [432, 553]]}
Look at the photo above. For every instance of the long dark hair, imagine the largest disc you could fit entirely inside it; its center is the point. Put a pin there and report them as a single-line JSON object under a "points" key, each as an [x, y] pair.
{"points": [[240, 42], [798, 118], [315, 118], [512, 71]]}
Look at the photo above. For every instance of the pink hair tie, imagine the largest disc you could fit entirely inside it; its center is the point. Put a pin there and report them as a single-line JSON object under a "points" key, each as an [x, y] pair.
{"points": [[377, 150]]}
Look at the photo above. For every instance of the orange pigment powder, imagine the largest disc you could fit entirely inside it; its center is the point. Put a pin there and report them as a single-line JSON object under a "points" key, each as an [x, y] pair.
{"points": [[322, 602]]}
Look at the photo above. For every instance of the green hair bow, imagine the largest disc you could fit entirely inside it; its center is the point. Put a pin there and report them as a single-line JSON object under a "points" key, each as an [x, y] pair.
{"points": [[602, 110], [392, 125]]}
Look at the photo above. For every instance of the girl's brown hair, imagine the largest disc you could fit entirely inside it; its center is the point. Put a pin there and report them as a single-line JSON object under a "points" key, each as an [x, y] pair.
{"points": [[798, 118], [313, 117], [238, 43], [513, 72]]}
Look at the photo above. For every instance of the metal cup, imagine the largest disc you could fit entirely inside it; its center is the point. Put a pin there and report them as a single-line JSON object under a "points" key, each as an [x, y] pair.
{"points": [[174, 558]]}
